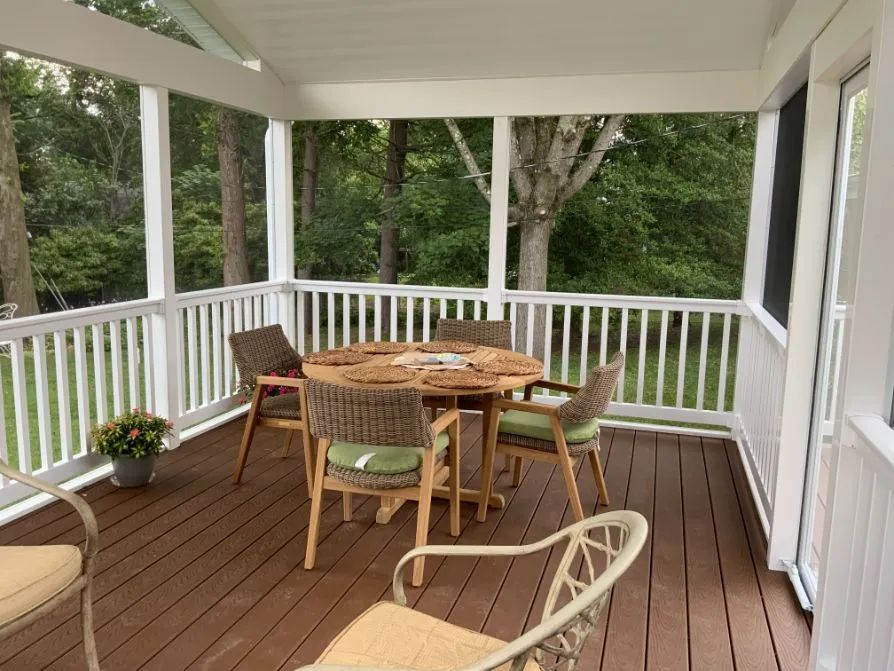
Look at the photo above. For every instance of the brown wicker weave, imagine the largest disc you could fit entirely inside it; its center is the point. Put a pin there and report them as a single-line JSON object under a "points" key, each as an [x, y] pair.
{"points": [[483, 332], [382, 347], [380, 374], [284, 406], [505, 366], [259, 351], [371, 416], [574, 449], [374, 480], [453, 346], [461, 379], [593, 398], [337, 357]]}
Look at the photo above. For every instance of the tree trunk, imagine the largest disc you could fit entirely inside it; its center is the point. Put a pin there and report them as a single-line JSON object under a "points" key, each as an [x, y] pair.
{"points": [[533, 266], [232, 200], [309, 180], [15, 258], [395, 163]]}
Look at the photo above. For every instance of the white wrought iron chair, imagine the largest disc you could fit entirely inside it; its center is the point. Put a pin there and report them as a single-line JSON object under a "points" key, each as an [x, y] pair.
{"points": [[392, 636], [7, 311]]}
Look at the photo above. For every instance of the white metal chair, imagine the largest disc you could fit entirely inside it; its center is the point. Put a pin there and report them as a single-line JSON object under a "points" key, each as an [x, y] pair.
{"points": [[392, 636]]}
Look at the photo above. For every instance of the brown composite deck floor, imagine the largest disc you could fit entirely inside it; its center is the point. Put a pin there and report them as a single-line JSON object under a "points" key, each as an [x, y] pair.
{"points": [[195, 573]]}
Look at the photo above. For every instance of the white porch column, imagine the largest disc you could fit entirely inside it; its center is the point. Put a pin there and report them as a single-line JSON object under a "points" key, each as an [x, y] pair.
{"points": [[281, 219], [499, 213], [165, 363]]}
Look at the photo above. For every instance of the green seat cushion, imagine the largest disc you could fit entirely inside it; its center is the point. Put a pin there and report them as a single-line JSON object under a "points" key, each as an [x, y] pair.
{"points": [[532, 425], [386, 460]]}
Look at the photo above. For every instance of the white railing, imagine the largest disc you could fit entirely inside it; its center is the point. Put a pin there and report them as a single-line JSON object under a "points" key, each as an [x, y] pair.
{"points": [[67, 372], [680, 353], [854, 617], [759, 387]]}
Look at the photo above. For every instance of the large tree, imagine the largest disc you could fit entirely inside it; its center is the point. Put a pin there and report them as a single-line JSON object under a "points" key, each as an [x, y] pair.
{"points": [[15, 257], [389, 236], [232, 199], [548, 167]]}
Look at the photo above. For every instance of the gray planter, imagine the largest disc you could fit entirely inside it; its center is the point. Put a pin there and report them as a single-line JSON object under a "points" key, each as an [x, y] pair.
{"points": [[132, 471]]}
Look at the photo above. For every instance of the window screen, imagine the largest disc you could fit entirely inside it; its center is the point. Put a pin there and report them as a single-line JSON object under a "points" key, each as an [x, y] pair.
{"points": [[784, 207]]}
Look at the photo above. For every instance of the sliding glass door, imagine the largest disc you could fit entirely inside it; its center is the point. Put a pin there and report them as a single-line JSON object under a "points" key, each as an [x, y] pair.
{"points": [[837, 301]]}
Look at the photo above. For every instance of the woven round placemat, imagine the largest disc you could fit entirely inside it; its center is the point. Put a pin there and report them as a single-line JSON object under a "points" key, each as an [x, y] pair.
{"points": [[336, 357], [380, 374], [381, 347], [506, 366], [453, 346], [461, 379]]}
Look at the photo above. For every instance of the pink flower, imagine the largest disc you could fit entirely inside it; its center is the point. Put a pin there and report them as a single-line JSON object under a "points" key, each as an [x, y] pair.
{"points": [[110, 425], [134, 433], [169, 424], [149, 414], [137, 410]]}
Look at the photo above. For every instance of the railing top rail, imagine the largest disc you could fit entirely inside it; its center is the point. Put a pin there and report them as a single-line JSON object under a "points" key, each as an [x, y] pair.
{"points": [[875, 439], [637, 302], [768, 323], [25, 327], [376, 289], [203, 296]]}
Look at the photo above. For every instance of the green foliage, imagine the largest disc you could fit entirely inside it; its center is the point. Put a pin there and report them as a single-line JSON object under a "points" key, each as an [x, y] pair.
{"points": [[133, 434]]}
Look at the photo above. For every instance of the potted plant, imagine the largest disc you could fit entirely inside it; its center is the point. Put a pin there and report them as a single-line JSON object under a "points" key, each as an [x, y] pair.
{"points": [[133, 440]]}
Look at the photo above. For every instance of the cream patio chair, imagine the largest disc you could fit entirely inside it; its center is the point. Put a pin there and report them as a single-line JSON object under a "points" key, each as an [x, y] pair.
{"points": [[392, 636], [35, 580]]}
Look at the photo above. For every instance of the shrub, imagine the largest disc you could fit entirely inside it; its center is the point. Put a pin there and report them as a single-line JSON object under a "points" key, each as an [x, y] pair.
{"points": [[133, 434]]}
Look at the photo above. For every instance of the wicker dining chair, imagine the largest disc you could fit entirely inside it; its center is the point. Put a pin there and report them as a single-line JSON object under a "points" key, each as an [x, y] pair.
{"points": [[36, 580], [379, 442], [257, 353], [557, 434], [597, 552]]}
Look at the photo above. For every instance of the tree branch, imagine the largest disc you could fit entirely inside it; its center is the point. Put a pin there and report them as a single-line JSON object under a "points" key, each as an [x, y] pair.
{"points": [[590, 165], [468, 158]]}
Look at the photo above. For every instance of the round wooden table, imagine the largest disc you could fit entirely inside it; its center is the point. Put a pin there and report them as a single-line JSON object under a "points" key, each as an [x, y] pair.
{"points": [[335, 375]]}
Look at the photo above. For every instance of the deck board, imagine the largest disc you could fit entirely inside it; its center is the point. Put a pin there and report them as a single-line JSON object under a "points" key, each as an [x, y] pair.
{"points": [[197, 573]]}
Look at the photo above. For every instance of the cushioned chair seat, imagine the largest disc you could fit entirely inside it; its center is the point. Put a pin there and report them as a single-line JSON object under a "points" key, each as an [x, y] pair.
{"points": [[538, 426], [31, 576], [574, 449], [284, 406], [391, 636], [379, 467]]}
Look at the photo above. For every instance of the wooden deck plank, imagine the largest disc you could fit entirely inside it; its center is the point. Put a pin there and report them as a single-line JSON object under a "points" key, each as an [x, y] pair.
{"points": [[201, 574], [709, 644], [788, 624], [752, 645], [668, 623]]}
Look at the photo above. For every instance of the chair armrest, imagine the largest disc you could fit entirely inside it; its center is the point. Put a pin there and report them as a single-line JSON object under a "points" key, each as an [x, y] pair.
{"points": [[274, 381], [79, 504], [445, 420], [526, 406], [557, 386]]}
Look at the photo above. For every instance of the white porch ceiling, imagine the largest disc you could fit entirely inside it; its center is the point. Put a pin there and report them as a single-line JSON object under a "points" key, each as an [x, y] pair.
{"points": [[315, 41]]}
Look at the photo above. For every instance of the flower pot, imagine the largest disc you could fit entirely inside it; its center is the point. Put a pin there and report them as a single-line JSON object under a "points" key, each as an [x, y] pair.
{"points": [[133, 471]]}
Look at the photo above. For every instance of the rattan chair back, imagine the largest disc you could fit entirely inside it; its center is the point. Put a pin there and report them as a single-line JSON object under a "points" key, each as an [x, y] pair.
{"points": [[593, 398], [262, 350], [369, 416], [484, 332]]}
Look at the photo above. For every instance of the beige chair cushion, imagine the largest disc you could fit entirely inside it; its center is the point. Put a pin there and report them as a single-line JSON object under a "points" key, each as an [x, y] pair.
{"points": [[31, 576], [394, 637]]}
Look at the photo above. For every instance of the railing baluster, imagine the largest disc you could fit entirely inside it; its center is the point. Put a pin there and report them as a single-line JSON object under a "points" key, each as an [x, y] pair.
{"points": [[529, 332], [63, 402], [681, 365], [393, 319], [204, 351], [460, 309], [377, 317], [99, 373], [442, 309], [133, 362], [227, 309], [247, 316], [42, 392], [476, 310], [330, 320], [547, 343], [584, 346], [566, 345], [117, 365], [724, 358], [703, 361], [513, 315], [410, 337], [193, 373], [641, 364], [426, 319], [603, 336], [82, 387], [20, 401], [345, 319], [301, 312], [315, 320], [361, 326], [4, 448], [258, 306], [216, 346], [662, 355], [623, 346]]}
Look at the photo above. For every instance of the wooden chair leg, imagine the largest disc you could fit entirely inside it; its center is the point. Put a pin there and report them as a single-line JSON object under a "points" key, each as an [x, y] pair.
{"points": [[347, 506], [601, 487], [453, 456], [87, 627], [567, 470], [316, 506], [508, 463], [286, 443], [518, 462], [251, 423], [487, 469], [307, 442], [424, 515]]}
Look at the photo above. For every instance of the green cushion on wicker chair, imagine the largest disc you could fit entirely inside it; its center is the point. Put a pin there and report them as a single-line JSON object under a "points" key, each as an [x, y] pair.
{"points": [[380, 459], [533, 425]]}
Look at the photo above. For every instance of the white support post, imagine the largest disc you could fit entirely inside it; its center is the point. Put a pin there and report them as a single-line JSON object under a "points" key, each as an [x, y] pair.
{"points": [[166, 364], [499, 214], [281, 219]]}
